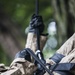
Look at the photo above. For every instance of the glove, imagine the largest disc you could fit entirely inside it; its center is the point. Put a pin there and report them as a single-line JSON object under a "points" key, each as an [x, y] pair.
{"points": [[23, 54], [36, 22], [22, 63]]}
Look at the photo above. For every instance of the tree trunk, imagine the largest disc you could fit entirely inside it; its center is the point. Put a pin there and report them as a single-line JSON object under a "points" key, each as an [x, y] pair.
{"points": [[65, 17], [11, 37]]}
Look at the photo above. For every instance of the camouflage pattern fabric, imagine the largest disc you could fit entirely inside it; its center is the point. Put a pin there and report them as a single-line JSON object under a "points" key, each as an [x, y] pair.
{"points": [[20, 66], [68, 50]]}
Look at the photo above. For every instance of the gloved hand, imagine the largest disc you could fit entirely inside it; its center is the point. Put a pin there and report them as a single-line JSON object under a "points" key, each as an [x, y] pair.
{"points": [[22, 63], [23, 54], [36, 22]]}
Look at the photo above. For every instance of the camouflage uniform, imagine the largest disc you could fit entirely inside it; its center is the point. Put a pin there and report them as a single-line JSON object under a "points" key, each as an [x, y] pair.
{"points": [[63, 56], [20, 66], [67, 51]]}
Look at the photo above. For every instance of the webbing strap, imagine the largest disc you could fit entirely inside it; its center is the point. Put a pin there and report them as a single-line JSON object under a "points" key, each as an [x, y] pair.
{"points": [[63, 67]]}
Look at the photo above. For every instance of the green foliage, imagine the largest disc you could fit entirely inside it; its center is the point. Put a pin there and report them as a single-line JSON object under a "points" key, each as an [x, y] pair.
{"points": [[4, 58], [21, 10]]}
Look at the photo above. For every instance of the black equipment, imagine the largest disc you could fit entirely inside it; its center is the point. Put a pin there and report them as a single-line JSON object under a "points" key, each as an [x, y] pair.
{"points": [[38, 60], [38, 52]]}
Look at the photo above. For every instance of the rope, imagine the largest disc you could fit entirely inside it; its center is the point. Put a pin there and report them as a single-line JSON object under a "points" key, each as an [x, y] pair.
{"points": [[37, 29], [37, 7]]}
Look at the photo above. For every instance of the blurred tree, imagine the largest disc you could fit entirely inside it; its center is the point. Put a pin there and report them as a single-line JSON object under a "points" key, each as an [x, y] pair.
{"points": [[11, 37], [64, 13]]}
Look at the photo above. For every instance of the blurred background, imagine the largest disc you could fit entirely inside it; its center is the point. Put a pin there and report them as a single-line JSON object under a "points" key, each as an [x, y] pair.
{"points": [[15, 15]]}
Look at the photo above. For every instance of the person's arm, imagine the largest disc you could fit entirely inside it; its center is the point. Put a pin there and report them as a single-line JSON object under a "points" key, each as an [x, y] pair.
{"points": [[63, 51], [23, 63]]}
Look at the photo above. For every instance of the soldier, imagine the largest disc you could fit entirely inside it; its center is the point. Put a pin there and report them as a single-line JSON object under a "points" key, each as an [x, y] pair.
{"points": [[61, 63]]}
